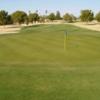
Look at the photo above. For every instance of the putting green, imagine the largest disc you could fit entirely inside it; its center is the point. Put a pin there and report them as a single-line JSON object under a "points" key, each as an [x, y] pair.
{"points": [[35, 66]]}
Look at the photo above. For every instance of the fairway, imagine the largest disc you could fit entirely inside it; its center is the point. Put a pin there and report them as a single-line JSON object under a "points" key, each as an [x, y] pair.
{"points": [[35, 66]]}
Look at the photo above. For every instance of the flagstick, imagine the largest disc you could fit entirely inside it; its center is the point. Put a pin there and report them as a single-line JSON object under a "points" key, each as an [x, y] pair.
{"points": [[65, 40]]}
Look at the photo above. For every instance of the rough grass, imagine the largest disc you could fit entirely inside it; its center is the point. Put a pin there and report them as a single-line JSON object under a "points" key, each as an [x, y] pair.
{"points": [[35, 66]]}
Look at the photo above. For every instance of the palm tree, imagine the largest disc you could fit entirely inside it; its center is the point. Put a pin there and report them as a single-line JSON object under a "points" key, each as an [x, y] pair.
{"points": [[46, 11], [36, 11], [29, 12]]}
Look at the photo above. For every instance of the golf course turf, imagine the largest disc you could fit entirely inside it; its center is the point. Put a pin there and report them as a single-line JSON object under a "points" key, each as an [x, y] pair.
{"points": [[35, 66]]}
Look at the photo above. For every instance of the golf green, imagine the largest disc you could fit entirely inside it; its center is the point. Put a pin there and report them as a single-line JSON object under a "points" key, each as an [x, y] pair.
{"points": [[35, 66]]}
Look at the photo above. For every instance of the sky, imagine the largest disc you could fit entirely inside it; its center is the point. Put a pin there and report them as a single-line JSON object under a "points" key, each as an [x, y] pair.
{"points": [[64, 6]]}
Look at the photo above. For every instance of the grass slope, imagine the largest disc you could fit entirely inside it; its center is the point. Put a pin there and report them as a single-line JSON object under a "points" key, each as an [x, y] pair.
{"points": [[35, 66]]}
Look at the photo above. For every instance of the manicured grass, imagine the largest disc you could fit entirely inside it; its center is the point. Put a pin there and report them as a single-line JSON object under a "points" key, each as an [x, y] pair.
{"points": [[35, 66]]}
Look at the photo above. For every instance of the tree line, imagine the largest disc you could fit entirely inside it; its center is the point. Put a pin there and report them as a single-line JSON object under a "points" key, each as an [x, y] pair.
{"points": [[21, 17]]}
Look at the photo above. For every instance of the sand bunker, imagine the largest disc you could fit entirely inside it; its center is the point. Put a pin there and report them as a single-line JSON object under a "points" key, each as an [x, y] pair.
{"points": [[9, 29], [90, 26]]}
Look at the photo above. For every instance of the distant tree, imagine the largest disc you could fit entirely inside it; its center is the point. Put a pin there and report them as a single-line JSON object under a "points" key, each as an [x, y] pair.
{"points": [[9, 20], [51, 16], [26, 21], [42, 19], [58, 16], [86, 15], [36, 11], [67, 17], [46, 11], [30, 17], [3, 17], [97, 17], [29, 11], [33, 17], [19, 17], [74, 18]]}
